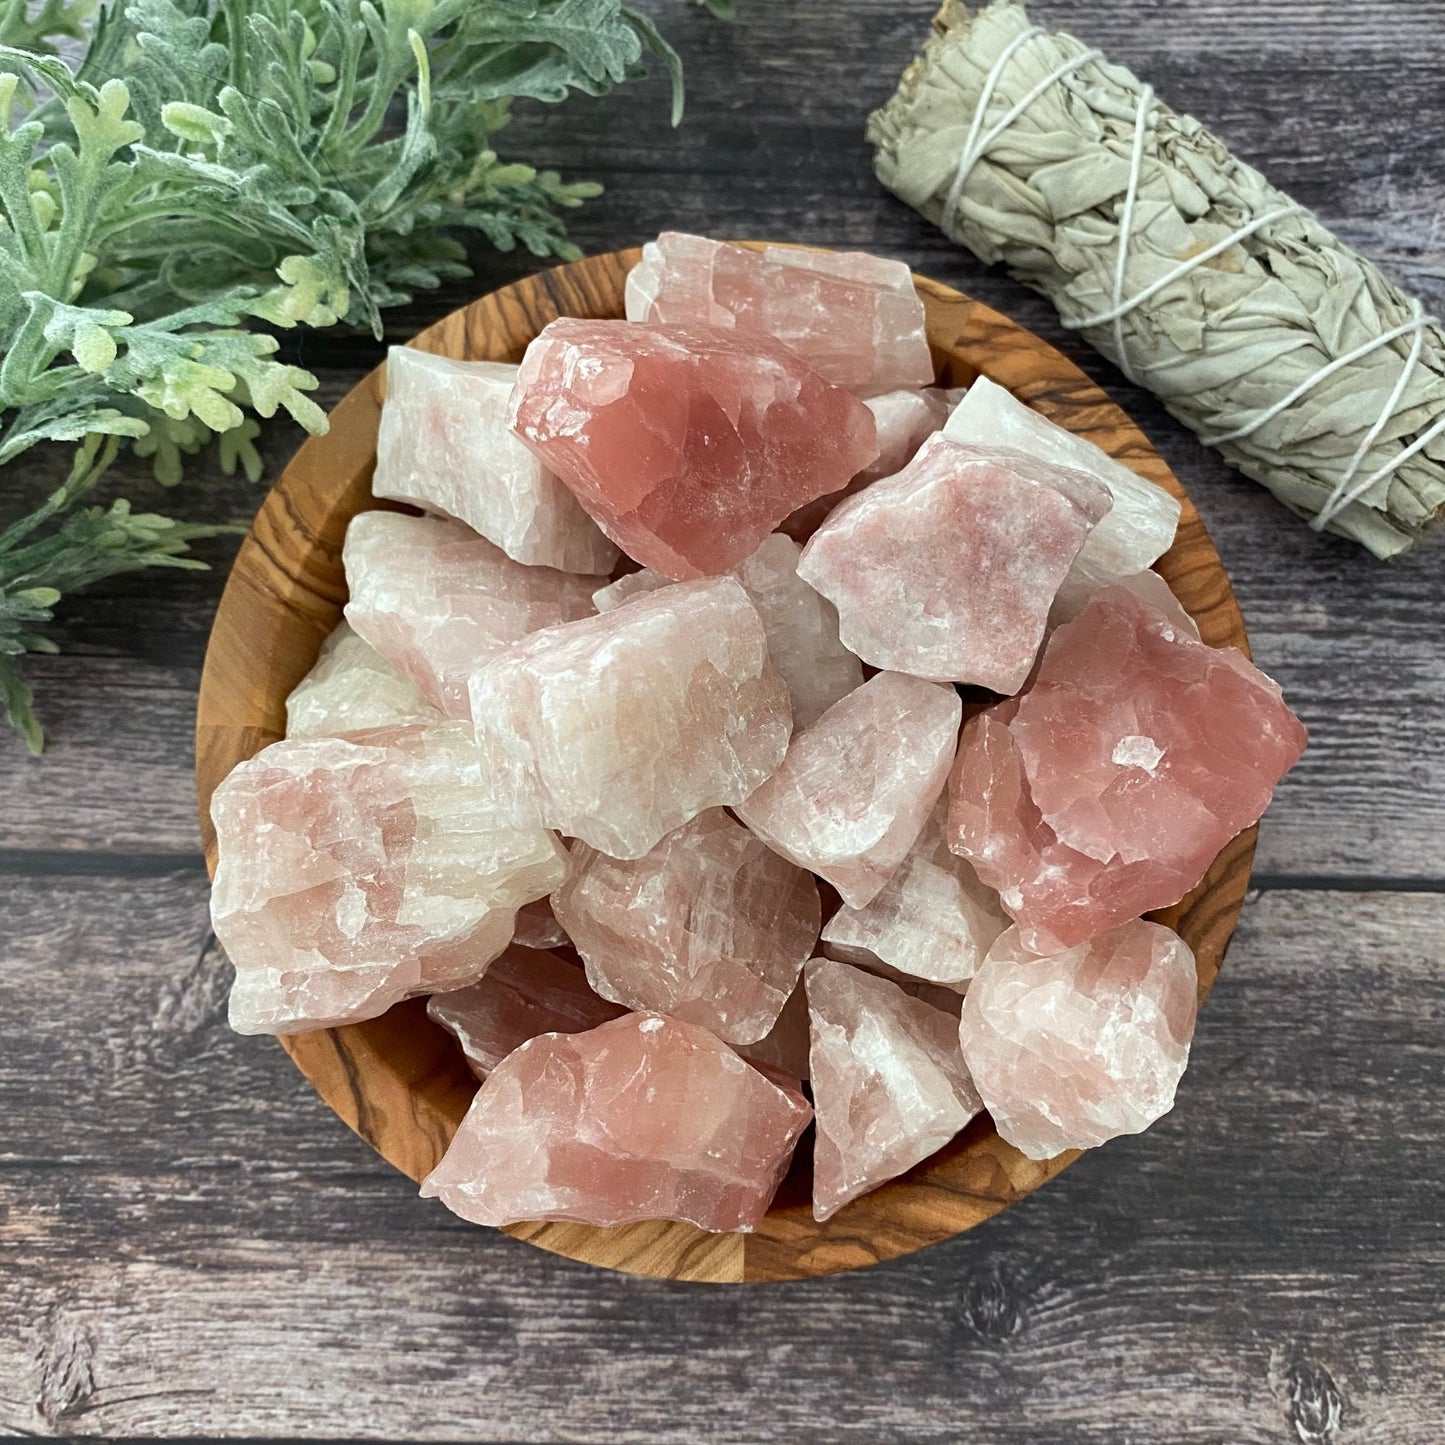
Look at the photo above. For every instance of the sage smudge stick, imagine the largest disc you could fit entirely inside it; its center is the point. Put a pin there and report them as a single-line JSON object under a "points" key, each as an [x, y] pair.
{"points": [[1297, 358]]}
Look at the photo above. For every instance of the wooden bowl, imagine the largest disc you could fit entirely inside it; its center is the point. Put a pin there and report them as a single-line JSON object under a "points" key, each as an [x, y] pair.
{"points": [[400, 1081]]}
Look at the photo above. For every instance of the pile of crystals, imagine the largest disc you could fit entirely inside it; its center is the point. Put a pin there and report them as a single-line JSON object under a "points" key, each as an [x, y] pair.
{"points": [[642, 752]]}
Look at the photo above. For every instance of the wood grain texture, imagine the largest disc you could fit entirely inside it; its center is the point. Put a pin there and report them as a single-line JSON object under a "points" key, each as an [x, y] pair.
{"points": [[400, 1080], [191, 1243]]}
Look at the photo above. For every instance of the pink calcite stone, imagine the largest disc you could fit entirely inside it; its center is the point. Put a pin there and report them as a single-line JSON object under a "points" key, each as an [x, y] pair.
{"points": [[890, 1085], [934, 919], [633, 584], [905, 420], [619, 728], [1075, 1048], [437, 601], [802, 627], [526, 992], [948, 570], [688, 444], [1138, 529], [802, 631], [445, 446], [1153, 751], [643, 1118], [855, 789], [711, 927], [353, 688], [1056, 895], [537, 927], [1142, 744], [1149, 587], [356, 872], [856, 318]]}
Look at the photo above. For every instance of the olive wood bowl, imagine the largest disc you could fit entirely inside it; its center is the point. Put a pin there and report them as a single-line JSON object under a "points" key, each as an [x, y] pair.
{"points": [[400, 1081]]}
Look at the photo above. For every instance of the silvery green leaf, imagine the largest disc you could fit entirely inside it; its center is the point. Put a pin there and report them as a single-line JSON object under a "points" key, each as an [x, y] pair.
{"points": [[214, 164]]}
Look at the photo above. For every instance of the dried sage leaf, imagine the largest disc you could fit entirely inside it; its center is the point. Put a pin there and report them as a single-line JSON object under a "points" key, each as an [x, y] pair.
{"points": [[1309, 370]]}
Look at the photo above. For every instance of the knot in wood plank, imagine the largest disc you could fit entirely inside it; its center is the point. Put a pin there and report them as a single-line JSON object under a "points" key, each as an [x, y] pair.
{"points": [[67, 1369], [1313, 1403], [991, 1304]]}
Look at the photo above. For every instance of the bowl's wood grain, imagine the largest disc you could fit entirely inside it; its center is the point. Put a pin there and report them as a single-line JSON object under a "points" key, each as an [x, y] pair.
{"points": [[399, 1081]]}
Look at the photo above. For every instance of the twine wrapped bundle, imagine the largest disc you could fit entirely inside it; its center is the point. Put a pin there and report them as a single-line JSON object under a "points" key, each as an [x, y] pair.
{"points": [[1262, 332]]}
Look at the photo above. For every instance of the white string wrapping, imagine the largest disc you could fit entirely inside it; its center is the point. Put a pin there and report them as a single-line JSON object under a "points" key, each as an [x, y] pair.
{"points": [[1415, 326], [1126, 225], [1353, 494], [1122, 309], [976, 146], [968, 158], [1346, 490]]}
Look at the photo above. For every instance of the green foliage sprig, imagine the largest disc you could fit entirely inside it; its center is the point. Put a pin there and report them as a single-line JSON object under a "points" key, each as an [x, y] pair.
{"points": [[214, 164]]}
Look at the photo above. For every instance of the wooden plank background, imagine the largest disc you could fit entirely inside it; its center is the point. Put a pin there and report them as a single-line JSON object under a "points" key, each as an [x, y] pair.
{"points": [[191, 1244]]}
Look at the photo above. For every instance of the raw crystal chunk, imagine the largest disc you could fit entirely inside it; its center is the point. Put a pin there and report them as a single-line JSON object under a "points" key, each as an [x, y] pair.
{"points": [[1056, 895], [537, 927], [526, 992], [856, 788], [1075, 1048], [933, 920], [642, 1118], [802, 631], [445, 446], [633, 584], [437, 601], [889, 1082], [355, 872], [1109, 788], [711, 927], [352, 688], [687, 444], [1140, 743], [802, 627], [1149, 587], [1138, 529], [948, 570], [905, 420], [620, 728], [857, 318]]}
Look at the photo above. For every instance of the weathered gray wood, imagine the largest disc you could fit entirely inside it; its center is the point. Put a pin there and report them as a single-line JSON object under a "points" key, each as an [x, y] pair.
{"points": [[192, 1241]]}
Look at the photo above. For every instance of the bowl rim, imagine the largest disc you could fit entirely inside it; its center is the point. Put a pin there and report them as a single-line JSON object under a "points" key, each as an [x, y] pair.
{"points": [[400, 1081]]}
